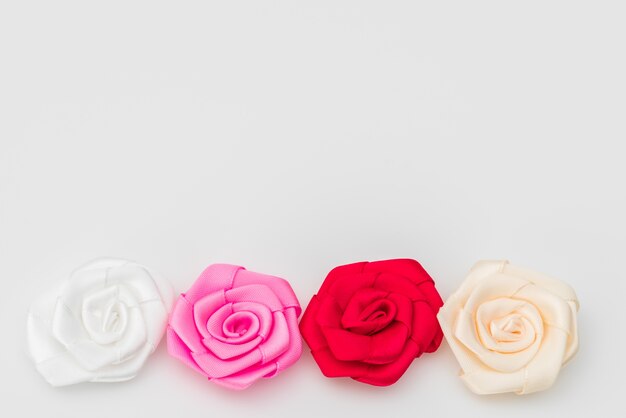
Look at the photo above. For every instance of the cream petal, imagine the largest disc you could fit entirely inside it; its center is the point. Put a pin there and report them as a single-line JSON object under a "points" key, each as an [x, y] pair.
{"points": [[493, 316], [478, 377], [572, 342], [479, 272], [492, 287], [558, 287], [550, 304], [554, 310], [464, 331], [468, 361], [495, 286], [488, 382], [544, 369], [522, 336]]}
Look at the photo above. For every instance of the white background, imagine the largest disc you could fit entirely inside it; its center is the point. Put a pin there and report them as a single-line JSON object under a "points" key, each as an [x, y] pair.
{"points": [[294, 136]]}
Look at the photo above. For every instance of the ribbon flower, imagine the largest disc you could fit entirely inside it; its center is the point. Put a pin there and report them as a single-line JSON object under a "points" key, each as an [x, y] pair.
{"points": [[99, 325], [370, 320], [235, 326], [511, 329]]}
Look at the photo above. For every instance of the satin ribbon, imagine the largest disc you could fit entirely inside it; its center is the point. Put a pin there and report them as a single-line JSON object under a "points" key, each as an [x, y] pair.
{"points": [[370, 320], [235, 326], [511, 329], [100, 324]]}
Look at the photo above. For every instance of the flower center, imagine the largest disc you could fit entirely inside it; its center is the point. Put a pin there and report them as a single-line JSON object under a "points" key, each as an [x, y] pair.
{"points": [[507, 325], [239, 323], [104, 316], [113, 318], [368, 312], [507, 329]]}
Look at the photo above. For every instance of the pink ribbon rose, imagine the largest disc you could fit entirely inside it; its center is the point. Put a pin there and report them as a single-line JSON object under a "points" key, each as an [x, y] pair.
{"points": [[235, 326]]}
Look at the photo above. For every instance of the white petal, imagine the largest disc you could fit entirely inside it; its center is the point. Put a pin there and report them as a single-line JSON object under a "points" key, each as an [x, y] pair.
{"points": [[67, 326], [63, 370], [125, 370], [104, 315], [101, 263], [123, 305], [155, 318], [41, 343], [137, 279], [134, 335], [80, 284]]}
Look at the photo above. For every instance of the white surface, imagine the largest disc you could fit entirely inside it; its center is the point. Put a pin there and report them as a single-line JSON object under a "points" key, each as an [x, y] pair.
{"points": [[291, 137]]}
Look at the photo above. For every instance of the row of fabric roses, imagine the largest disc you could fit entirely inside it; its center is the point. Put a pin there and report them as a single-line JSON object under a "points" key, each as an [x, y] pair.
{"points": [[510, 328]]}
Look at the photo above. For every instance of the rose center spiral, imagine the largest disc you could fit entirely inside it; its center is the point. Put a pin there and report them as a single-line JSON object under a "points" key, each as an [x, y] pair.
{"points": [[105, 316], [508, 325], [368, 312], [507, 329], [240, 323]]}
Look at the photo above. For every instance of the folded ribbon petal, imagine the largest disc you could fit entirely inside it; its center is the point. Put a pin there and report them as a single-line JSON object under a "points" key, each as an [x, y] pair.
{"points": [[235, 326], [370, 320], [100, 324], [510, 328]]}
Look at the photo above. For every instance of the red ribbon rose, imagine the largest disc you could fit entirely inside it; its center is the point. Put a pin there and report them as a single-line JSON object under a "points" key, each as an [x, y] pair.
{"points": [[369, 320]]}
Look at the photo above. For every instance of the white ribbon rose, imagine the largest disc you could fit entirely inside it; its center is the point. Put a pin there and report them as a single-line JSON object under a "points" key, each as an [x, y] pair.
{"points": [[100, 324], [511, 329]]}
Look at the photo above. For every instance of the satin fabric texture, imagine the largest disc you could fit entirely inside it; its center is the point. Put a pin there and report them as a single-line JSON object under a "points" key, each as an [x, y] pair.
{"points": [[511, 329], [100, 324], [235, 326], [369, 321]]}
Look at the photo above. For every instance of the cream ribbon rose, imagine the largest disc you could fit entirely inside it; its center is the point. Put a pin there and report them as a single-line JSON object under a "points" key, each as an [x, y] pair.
{"points": [[511, 329], [100, 324]]}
